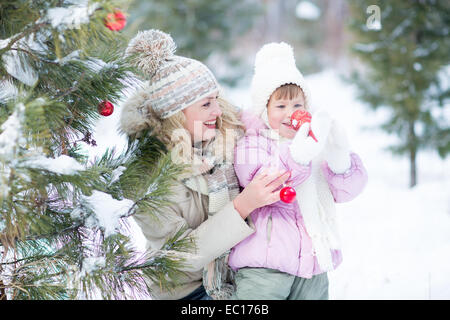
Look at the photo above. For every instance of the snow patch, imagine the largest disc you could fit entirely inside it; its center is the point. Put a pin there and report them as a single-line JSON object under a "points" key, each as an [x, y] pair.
{"points": [[11, 132], [91, 264], [19, 68], [14, 62], [8, 91], [61, 165], [423, 52], [117, 173], [366, 47], [307, 10], [96, 64], [417, 66], [10, 138], [108, 211], [71, 56], [71, 17], [4, 42]]}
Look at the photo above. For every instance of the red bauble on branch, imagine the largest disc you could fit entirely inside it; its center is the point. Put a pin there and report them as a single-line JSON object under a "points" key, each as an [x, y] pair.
{"points": [[115, 21], [105, 108]]}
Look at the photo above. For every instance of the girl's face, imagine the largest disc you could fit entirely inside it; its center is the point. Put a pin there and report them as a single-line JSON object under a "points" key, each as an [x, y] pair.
{"points": [[201, 118], [279, 112]]}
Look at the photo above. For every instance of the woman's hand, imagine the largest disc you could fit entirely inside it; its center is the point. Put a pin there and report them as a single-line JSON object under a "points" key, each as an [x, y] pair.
{"points": [[260, 191]]}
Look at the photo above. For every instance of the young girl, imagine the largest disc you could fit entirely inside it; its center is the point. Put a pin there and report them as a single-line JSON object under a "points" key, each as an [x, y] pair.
{"points": [[295, 243]]}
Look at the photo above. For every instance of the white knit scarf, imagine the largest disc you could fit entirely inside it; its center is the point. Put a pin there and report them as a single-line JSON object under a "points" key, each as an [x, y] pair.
{"points": [[319, 214]]}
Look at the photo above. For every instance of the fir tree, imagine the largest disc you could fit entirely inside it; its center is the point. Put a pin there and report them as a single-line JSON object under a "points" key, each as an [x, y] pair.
{"points": [[60, 216], [406, 52], [200, 27]]}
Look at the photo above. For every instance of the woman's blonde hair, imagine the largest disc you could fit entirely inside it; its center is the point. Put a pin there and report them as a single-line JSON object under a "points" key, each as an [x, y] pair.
{"points": [[177, 139]]}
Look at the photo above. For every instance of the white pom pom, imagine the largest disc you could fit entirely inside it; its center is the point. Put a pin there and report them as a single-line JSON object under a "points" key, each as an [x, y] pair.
{"points": [[274, 53], [152, 48]]}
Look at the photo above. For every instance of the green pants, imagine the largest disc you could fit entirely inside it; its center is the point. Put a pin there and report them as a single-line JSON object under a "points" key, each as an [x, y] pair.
{"points": [[270, 284]]}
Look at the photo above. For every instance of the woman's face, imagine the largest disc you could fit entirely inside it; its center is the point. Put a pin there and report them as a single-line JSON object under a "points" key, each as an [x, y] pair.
{"points": [[279, 112], [201, 118]]}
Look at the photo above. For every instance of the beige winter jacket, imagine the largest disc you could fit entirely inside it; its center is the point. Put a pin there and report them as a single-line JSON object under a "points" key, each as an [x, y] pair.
{"points": [[212, 236]]}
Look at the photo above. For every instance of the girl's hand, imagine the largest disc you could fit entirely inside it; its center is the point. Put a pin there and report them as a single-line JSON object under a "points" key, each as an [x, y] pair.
{"points": [[321, 125], [338, 137], [337, 149], [260, 191], [303, 147]]}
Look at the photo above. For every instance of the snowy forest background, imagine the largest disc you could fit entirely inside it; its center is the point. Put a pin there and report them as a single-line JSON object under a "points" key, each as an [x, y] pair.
{"points": [[396, 235]]}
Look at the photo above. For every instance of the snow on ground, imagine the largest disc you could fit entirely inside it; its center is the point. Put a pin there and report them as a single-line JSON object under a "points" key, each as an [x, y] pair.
{"points": [[395, 240]]}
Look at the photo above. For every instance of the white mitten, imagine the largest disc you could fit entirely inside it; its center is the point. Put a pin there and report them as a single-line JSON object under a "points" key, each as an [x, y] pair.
{"points": [[303, 147], [337, 149], [321, 125]]}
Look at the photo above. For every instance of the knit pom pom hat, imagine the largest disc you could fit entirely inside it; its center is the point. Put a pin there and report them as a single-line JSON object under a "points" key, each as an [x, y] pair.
{"points": [[175, 82], [274, 67]]}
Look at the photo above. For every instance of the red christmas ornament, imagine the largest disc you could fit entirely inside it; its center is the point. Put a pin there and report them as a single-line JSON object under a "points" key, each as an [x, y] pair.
{"points": [[300, 117], [287, 194], [115, 21], [105, 108]]}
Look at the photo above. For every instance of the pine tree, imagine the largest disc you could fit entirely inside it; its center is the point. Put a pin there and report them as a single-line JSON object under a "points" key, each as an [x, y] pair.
{"points": [[406, 55], [61, 218], [199, 27]]}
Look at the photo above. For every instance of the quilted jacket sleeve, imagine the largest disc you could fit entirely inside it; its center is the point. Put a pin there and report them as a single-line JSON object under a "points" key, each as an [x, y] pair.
{"points": [[346, 186]]}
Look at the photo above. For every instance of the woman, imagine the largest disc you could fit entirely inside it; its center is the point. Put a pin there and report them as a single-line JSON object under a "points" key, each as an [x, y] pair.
{"points": [[182, 107]]}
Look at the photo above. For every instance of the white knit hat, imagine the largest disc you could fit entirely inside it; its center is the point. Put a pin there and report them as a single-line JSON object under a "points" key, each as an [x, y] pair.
{"points": [[274, 67]]}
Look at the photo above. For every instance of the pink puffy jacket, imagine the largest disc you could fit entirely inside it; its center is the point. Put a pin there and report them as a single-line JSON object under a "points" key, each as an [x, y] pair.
{"points": [[281, 241]]}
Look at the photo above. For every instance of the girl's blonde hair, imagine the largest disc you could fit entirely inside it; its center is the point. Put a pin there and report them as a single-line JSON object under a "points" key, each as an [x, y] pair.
{"points": [[177, 139]]}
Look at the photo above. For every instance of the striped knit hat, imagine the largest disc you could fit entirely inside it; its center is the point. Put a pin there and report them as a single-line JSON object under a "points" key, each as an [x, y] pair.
{"points": [[175, 82]]}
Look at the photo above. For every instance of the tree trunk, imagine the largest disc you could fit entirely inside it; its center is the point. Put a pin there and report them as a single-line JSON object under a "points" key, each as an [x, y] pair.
{"points": [[335, 29], [413, 169], [2, 291], [274, 20], [412, 155]]}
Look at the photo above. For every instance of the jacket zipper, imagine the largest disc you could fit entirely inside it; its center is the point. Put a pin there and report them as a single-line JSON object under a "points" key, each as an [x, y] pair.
{"points": [[269, 228]]}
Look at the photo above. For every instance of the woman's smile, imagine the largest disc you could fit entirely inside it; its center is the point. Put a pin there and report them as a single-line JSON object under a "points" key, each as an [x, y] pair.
{"points": [[211, 124]]}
